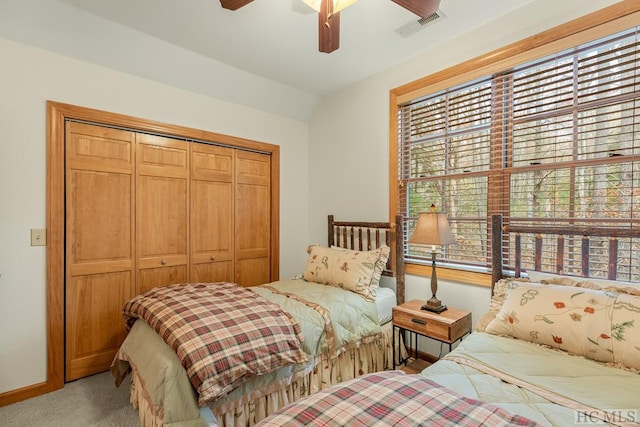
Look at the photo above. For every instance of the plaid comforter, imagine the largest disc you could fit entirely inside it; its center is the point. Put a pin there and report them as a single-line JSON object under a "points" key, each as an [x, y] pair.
{"points": [[391, 398], [221, 332]]}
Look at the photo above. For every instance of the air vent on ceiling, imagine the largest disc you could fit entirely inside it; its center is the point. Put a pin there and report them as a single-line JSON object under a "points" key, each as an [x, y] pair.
{"points": [[413, 27]]}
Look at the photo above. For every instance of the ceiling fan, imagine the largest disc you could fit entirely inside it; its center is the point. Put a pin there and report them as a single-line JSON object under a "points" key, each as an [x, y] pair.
{"points": [[329, 16]]}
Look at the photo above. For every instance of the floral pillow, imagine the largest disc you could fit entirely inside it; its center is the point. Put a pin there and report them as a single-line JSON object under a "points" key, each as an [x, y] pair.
{"points": [[596, 324], [500, 289], [497, 299], [356, 271]]}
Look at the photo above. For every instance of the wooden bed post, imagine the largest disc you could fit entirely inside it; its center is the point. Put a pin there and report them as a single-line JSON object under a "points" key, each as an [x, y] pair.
{"points": [[496, 249], [330, 236], [399, 267]]}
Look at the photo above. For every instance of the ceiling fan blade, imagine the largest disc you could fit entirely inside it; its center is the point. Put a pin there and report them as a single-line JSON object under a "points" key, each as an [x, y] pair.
{"points": [[422, 8], [234, 4], [328, 28]]}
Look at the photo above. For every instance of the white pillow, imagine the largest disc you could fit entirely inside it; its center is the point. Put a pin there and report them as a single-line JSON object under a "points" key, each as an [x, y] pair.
{"points": [[385, 301]]}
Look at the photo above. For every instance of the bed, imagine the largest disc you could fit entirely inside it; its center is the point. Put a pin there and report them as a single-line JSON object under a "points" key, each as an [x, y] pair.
{"points": [[553, 349], [335, 321]]}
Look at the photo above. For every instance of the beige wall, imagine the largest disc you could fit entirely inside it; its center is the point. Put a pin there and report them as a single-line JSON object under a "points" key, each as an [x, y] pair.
{"points": [[28, 78]]}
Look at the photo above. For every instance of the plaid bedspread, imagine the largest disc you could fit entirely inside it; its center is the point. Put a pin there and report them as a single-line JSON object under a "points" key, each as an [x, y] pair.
{"points": [[221, 332], [391, 398]]}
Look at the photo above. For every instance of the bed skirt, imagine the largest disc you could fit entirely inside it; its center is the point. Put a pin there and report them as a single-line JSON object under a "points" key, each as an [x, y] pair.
{"points": [[367, 358]]}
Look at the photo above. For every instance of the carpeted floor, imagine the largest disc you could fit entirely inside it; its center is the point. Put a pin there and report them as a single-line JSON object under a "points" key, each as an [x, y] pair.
{"points": [[91, 401]]}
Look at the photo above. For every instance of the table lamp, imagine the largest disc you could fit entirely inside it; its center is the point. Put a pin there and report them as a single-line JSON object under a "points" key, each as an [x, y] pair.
{"points": [[433, 229]]}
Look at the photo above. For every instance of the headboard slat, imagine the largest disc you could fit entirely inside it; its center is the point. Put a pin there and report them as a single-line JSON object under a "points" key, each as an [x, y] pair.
{"points": [[538, 259], [585, 256], [352, 238], [560, 255], [612, 270]]}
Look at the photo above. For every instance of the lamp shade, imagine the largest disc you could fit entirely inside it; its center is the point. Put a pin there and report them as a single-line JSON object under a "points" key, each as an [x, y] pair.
{"points": [[338, 5], [432, 229]]}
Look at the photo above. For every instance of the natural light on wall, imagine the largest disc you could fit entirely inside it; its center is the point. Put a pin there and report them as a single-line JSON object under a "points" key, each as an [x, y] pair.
{"points": [[338, 5]]}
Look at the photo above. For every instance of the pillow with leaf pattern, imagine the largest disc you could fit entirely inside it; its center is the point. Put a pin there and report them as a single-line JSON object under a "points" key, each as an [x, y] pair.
{"points": [[596, 324], [356, 271]]}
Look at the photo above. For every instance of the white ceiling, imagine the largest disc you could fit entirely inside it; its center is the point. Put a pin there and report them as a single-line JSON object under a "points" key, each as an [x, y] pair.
{"points": [[278, 40], [264, 55]]}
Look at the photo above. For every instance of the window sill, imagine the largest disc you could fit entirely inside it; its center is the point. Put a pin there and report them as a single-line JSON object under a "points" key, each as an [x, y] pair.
{"points": [[444, 273]]}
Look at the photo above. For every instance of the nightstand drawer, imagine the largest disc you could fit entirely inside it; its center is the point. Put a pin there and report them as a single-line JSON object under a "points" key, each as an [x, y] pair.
{"points": [[423, 326], [448, 326]]}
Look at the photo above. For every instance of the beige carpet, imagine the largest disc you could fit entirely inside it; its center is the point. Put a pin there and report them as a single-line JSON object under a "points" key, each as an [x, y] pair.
{"points": [[91, 401]]}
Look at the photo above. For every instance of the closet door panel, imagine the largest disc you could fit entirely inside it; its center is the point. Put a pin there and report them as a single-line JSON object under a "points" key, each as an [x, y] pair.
{"points": [[99, 245], [212, 209], [97, 329], [95, 147], [212, 272], [162, 211], [151, 277], [212, 231], [95, 199], [162, 156], [253, 271], [253, 218], [212, 163], [253, 224]]}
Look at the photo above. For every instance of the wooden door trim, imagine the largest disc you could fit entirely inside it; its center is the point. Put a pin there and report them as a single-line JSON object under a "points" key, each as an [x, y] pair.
{"points": [[57, 114]]}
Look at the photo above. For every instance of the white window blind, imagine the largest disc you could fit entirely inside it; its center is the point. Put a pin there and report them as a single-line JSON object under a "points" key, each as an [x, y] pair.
{"points": [[554, 141]]}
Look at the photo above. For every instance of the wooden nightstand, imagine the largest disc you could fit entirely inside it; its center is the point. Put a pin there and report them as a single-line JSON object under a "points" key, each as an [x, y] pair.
{"points": [[447, 327]]}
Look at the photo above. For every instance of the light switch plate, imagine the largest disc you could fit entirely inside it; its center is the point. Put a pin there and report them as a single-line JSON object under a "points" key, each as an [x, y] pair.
{"points": [[38, 237]]}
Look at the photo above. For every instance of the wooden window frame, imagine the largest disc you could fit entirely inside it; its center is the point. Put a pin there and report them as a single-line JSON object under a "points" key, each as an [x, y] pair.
{"points": [[618, 17]]}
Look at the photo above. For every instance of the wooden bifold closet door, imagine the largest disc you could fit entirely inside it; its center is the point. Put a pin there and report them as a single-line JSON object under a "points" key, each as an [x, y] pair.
{"points": [[252, 218], [144, 211], [100, 199], [162, 211], [212, 208]]}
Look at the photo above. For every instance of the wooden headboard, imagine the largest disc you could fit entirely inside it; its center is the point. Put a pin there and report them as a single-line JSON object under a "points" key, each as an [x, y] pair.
{"points": [[365, 236], [561, 235]]}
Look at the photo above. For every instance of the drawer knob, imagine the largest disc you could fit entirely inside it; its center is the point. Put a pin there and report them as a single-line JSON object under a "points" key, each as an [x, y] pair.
{"points": [[419, 321], [164, 262], [213, 258]]}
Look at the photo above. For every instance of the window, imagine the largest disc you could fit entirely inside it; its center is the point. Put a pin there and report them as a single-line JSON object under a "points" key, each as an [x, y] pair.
{"points": [[552, 141], [445, 161]]}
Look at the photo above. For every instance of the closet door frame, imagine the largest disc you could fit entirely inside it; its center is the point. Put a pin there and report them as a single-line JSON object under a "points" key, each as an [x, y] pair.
{"points": [[57, 114]]}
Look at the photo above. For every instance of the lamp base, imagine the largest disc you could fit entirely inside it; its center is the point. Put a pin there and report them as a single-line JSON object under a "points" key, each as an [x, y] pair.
{"points": [[434, 305]]}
